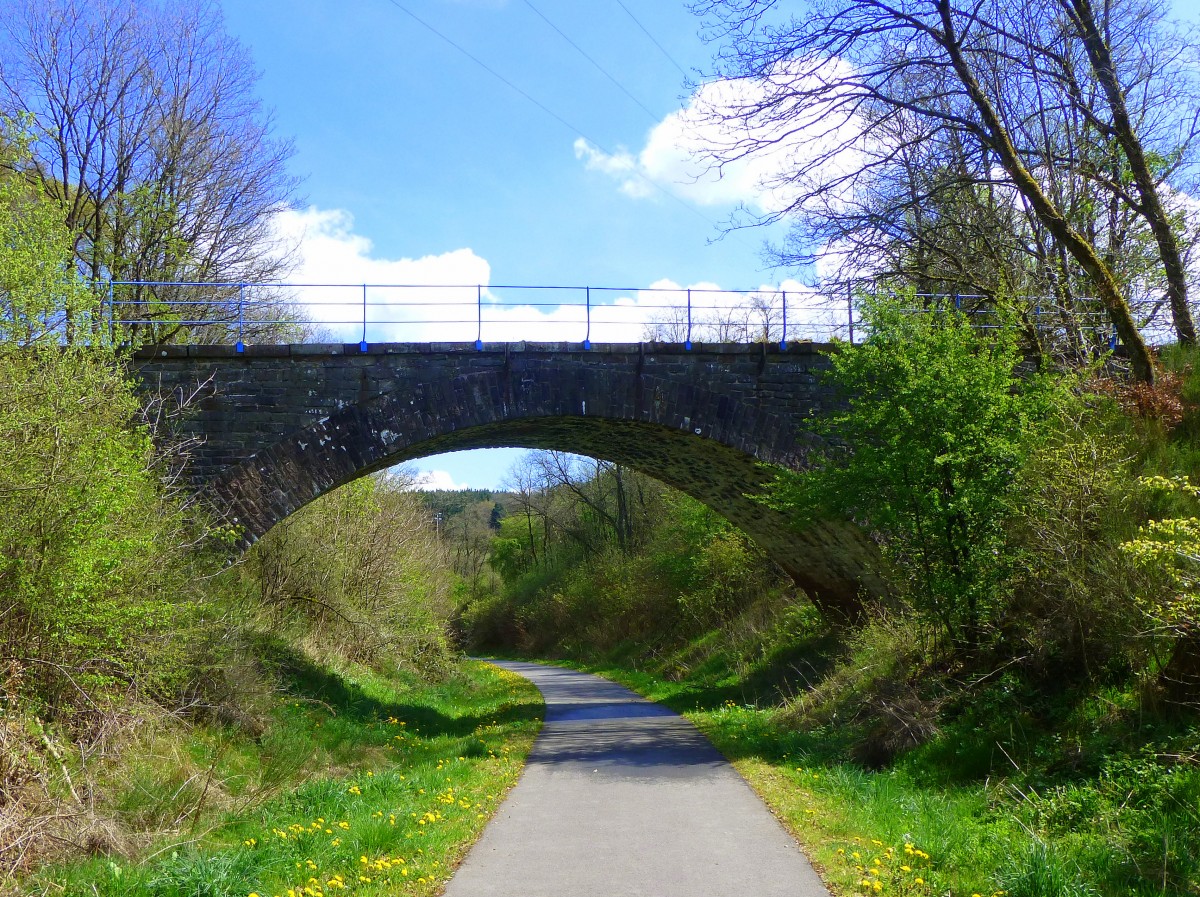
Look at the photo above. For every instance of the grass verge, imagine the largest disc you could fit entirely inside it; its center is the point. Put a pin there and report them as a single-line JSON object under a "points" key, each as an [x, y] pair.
{"points": [[908, 830], [361, 784]]}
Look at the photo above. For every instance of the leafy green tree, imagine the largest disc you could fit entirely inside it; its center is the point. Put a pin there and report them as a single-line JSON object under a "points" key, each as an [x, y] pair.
{"points": [[93, 572], [42, 300], [936, 424]]}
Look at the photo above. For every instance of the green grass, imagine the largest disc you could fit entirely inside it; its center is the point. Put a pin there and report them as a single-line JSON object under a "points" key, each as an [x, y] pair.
{"points": [[1128, 826], [362, 784]]}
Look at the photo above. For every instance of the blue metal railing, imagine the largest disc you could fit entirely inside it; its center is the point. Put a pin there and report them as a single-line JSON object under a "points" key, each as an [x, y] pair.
{"points": [[462, 312], [223, 313]]}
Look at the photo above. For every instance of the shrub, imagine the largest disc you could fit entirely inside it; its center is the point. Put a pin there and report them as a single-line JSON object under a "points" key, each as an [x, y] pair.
{"points": [[357, 574], [936, 423], [1070, 610]]}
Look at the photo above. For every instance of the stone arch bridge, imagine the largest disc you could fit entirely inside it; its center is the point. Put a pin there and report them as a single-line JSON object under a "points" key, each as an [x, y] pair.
{"points": [[277, 426]]}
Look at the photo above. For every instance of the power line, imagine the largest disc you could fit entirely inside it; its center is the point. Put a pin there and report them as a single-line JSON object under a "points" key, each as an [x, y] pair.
{"points": [[558, 118], [491, 71], [599, 67], [661, 48]]}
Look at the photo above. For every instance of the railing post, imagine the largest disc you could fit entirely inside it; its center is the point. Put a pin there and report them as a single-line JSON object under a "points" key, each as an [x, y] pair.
{"points": [[783, 335], [240, 345], [478, 317], [587, 336], [362, 343], [112, 320], [687, 343], [850, 311]]}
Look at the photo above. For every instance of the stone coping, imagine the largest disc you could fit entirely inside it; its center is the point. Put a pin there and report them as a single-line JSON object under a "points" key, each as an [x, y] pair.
{"points": [[354, 350]]}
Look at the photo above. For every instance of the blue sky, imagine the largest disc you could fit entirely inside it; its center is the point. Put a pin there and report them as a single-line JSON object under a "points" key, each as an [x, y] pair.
{"points": [[412, 151], [430, 153], [420, 165]]}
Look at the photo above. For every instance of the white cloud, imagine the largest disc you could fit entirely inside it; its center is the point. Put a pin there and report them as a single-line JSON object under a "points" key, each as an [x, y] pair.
{"points": [[720, 120], [621, 165], [443, 298], [333, 252], [661, 312], [432, 480], [431, 298]]}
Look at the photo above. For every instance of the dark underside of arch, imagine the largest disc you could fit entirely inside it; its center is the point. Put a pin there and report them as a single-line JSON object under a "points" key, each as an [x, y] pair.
{"points": [[834, 563]]}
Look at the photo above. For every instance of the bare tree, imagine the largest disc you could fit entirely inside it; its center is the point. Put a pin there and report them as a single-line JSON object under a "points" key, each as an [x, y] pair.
{"points": [[532, 497], [148, 133], [1161, 73], [1000, 98]]}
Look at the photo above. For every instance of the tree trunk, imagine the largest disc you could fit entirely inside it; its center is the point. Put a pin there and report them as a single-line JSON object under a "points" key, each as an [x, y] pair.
{"points": [[1180, 678], [993, 133], [1151, 207]]}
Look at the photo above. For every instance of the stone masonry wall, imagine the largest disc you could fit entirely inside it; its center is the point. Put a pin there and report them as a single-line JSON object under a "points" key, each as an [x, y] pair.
{"points": [[248, 402], [279, 425]]}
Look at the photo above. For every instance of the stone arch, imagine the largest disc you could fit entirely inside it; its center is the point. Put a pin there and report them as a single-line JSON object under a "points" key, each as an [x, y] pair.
{"points": [[703, 441]]}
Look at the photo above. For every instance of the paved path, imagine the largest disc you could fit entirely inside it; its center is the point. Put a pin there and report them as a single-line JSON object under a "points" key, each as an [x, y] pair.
{"points": [[622, 797]]}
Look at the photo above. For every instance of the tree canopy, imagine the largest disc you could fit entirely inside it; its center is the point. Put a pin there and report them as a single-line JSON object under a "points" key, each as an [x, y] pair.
{"points": [[1040, 148], [147, 133]]}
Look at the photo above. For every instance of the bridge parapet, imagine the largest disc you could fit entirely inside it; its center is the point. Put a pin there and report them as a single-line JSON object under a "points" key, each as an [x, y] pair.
{"points": [[245, 401]]}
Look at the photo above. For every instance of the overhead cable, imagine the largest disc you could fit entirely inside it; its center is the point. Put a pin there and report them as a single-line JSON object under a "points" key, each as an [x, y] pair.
{"points": [[599, 67], [558, 118], [661, 48]]}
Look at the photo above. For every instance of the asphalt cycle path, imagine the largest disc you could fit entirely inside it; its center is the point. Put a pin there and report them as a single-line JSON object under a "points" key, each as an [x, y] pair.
{"points": [[621, 797]]}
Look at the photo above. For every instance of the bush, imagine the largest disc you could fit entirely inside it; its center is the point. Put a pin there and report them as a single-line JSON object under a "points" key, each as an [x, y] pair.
{"points": [[89, 546], [937, 421], [1071, 611], [357, 574], [92, 555]]}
